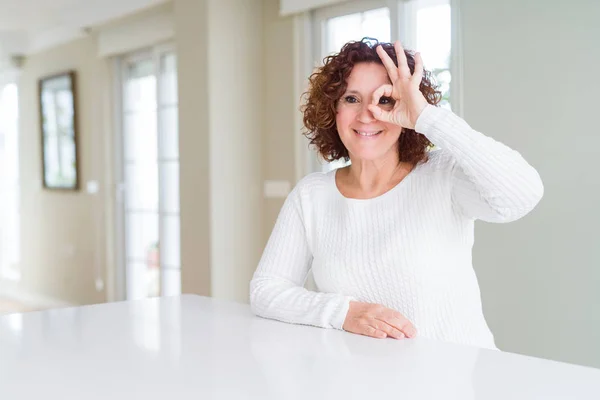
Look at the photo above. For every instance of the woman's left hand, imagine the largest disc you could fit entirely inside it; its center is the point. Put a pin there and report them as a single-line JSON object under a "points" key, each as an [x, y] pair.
{"points": [[409, 101]]}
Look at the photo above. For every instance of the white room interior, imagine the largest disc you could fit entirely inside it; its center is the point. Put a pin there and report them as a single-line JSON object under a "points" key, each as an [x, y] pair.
{"points": [[523, 73]]}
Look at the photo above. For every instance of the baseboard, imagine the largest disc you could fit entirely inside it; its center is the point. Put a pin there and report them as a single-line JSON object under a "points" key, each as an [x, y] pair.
{"points": [[12, 291]]}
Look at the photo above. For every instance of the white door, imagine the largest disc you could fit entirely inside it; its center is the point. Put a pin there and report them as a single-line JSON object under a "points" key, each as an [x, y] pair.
{"points": [[149, 168]]}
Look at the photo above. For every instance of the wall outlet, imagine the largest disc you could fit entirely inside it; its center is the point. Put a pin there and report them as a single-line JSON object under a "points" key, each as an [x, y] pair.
{"points": [[92, 187]]}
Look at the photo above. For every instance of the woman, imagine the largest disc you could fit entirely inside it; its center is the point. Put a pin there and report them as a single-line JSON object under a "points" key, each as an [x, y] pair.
{"points": [[389, 237]]}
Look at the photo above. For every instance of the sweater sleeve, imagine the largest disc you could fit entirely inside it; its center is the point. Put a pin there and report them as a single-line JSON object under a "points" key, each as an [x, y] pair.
{"points": [[276, 289], [490, 181]]}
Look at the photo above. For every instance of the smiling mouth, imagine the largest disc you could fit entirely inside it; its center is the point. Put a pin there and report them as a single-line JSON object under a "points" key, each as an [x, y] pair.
{"points": [[367, 134]]}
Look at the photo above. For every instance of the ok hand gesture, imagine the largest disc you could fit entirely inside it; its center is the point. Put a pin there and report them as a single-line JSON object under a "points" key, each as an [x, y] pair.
{"points": [[409, 101]]}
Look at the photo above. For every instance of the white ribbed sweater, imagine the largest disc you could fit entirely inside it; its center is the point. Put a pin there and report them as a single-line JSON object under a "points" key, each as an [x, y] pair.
{"points": [[408, 249]]}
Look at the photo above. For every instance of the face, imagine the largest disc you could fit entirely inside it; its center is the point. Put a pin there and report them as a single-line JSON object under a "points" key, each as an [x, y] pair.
{"points": [[365, 137]]}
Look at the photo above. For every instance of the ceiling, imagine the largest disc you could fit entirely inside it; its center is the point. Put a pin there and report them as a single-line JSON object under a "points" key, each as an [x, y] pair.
{"points": [[28, 26]]}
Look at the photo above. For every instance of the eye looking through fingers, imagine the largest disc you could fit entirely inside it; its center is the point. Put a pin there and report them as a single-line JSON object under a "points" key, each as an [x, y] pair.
{"points": [[386, 102]]}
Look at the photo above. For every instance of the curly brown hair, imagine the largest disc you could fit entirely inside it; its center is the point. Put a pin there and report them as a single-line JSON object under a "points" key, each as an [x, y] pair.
{"points": [[328, 84]]}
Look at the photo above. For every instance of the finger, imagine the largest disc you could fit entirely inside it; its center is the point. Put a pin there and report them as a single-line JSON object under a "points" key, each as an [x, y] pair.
{"points": [[411, 330], [408, 328], [400, 322], [383, 90], [389, 329], [389, 65], [403, 69], [403, 325], [418, 75], [374, 332], [383, 327], [381, 115]]}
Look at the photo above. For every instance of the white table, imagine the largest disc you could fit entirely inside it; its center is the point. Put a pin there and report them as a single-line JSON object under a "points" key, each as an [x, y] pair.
{"points": [[192, 347]]}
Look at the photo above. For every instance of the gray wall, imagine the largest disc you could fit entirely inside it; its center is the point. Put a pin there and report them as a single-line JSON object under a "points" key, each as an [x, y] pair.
{"points": [[530, 81]]}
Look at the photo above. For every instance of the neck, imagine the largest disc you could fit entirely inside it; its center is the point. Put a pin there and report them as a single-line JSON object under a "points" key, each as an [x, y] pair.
{"points": [[378, 175]]}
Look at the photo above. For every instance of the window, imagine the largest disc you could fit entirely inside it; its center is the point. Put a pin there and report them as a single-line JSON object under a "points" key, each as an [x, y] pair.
{"points": [[422, 25], [431, 35], [340, 30], [150, 172], [9, 183]]}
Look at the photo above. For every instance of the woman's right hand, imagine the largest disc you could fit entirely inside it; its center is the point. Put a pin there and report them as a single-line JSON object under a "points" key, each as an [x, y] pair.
{"points": [[377, 321]]}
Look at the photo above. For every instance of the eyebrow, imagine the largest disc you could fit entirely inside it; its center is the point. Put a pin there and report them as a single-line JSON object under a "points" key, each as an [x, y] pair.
{"points": [[356, 92]]}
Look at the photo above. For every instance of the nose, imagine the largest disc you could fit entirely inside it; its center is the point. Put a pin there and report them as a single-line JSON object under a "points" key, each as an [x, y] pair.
{"points": [[365, 115]]}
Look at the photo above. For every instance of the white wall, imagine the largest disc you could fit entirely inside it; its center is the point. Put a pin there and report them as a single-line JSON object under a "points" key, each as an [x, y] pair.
{"points": [[191, 40], [220, 50], [530, 81], [63, 234], [236, 127], [220, 61], [279, 130]]}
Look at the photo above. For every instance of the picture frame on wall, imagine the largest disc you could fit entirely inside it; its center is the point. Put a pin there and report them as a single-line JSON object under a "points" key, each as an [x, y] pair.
{"points": [[58, 120]]}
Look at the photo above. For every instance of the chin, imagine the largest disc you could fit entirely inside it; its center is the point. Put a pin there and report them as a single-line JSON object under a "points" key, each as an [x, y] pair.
{"points": [[367, 154]]}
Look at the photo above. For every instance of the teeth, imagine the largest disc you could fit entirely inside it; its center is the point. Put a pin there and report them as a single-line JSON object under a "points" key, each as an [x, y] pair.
{"points": [[368, 133]]}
